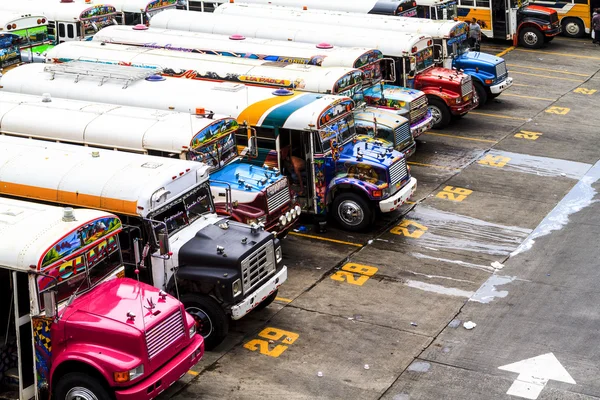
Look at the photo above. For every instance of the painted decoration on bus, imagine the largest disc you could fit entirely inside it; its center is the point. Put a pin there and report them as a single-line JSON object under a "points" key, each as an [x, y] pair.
{"points": [[157, 4], [215, 145], [458, 33], [99, 10], [265, 80], [348, 81], [339, 108], [320, 185], [84, 236], [368, 58], [230, 77], [42, 341]]}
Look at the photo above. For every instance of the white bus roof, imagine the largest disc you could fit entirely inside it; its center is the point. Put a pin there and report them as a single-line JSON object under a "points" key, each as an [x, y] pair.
{"points": [[265, 49], [55, 10], [389, 43], [136, 6], [104, 125], [248, 71], [360, 6], [11, 17], [434, 2], [115, 181], [426, 26], [255, 105], [28, 230]]}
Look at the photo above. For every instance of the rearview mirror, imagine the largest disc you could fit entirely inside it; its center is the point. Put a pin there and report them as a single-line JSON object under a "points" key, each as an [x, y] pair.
{"points": [[137, 252], [50, 304], [163, 244]]}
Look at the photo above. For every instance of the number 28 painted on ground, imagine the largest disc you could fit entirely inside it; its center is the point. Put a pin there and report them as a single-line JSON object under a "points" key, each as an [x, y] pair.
{"points": [[454, 193], [354, 274], [274, 335]]}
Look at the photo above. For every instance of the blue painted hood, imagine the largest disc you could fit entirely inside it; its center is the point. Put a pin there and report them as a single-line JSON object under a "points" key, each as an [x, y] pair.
{"points": [[474, 59], [370, 154], [257, 177]]}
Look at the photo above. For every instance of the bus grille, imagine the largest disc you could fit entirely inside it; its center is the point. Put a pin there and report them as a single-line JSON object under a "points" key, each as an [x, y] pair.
{"points": [[500, 69], [279, 197], [398, 172], [467, 86], [165, 334], [418, 109], [258, 266], [402, 133]]}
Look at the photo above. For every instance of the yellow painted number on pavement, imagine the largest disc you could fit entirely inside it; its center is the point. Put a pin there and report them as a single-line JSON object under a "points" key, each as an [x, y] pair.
{"points": [[453, 193], [272, 335], [528, 135], [494, 161], [354, 274], [585, 91], [558, 110], [409, 229]]}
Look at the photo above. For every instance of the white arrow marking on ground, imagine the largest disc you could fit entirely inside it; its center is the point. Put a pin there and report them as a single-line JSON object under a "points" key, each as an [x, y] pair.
{"points": [[534, 374]]}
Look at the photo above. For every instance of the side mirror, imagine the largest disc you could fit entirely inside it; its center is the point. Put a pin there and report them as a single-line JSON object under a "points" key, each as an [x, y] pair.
{"points": [[252, 147], [137, 250], [50, 304], [163, 243]]}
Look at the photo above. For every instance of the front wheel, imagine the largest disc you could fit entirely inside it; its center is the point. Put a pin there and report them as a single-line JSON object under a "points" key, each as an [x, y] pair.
{"points": [[80, 386], [440, 112], [573, 28], [531, 38], [352, 211], [481, 93], [211, 322]]}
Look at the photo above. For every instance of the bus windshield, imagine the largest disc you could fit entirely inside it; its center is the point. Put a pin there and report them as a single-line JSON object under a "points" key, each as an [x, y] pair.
{"points": [[33, 36], [343, 130], [216, 144], [424, 59], [447, 11], [9, 50]]}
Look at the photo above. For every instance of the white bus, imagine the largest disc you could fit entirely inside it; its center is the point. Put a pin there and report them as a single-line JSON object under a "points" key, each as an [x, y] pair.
{"points": [[412, 53], [170, 231], [451, 50], [409, 103], [67, 20], [405, 8], [332, 80], [133, 12], [31, 31]]}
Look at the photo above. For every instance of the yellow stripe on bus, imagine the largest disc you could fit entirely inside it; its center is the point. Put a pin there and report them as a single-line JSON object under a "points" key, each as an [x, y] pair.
{"points": [[69, 198], [252, 114]]}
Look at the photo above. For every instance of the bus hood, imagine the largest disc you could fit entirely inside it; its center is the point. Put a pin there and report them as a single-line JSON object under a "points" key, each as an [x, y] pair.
{"points": [[440, 77], [396, 97], [248, 177], [371, 154], [114, 299], [473, 62]]}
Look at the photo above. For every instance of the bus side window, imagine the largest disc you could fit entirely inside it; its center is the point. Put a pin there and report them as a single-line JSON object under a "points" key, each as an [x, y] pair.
{"points": [[70, 31], [468, 3], [61, 30], [78, 27]]}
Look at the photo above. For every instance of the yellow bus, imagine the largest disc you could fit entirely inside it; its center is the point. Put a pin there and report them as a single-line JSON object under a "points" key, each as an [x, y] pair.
{"points": [[575, 15]]}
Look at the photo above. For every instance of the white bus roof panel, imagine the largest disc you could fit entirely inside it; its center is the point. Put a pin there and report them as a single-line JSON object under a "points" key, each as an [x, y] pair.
{"points": [[389, 43], [53, 10], [114, 181], [7, 17], [28, 230]]}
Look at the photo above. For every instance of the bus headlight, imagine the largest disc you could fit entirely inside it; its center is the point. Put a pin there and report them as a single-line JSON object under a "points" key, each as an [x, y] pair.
{"points": [[282, 220], [130, 375], [288, 216], [236, 288], [278, 254], [192, 330], [293, 213], [298, 210]]}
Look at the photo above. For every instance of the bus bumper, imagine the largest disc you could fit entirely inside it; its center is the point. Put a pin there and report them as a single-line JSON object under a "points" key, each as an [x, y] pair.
{"points": [[423, 125], [465, 107], [261, 294], [502, 86], [394, 202]]}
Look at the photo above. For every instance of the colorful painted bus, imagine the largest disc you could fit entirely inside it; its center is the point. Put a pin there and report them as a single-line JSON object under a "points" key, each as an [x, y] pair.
{"points": [[412, 54], [218, 268], [404, 8], [132, 12], [209, 138], [61, 268], [67, 20], [409, 103], [32, 30], [489, 73], [287, 124], [10, 53], [575, 15], [332, 80]]}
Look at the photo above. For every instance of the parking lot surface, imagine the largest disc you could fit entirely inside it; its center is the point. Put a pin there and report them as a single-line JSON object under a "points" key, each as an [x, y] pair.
{"points": [[501, 238]]}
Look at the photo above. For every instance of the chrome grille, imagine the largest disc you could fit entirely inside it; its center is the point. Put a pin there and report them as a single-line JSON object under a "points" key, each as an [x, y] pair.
{"points": [[258, 266], [279, 198], [402, 133], [165, 333], [418, 109], [500, 69], [398, 172], [466, 86]]}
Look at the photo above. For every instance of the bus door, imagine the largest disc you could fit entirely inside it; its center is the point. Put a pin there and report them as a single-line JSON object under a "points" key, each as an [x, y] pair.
{"points": [[67, 32], [499, 19]]}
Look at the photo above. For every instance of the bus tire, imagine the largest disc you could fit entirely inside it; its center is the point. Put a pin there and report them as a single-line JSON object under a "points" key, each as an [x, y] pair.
{"points": [[481, 93], [267, 301], [531, 38], [572, 27], [440, 112], [80, 385], [352, 211], [211, 321]]}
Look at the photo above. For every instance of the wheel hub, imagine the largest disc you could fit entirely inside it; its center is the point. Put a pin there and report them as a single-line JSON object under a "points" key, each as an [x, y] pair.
{"points": [[436, 113], [530, 38], [351, 213], [572, 28], [80, 393], [204, 325]]}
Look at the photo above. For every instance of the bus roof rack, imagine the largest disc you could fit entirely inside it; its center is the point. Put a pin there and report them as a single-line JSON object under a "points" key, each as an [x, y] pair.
{"points": [[102, 71]]}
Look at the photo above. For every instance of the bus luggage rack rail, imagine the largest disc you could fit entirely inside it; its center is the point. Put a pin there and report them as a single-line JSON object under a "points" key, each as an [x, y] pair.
{"points": [[102, 71]]}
